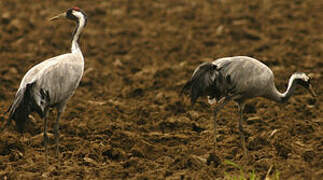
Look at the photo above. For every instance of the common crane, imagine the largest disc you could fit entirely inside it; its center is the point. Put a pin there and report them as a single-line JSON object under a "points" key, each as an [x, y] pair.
{"points": [[239, 78], [50, 83]]}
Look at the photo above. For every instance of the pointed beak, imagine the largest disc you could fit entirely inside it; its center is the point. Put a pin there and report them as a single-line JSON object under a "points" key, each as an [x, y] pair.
{"points": [[310, 89], [57, 17]]}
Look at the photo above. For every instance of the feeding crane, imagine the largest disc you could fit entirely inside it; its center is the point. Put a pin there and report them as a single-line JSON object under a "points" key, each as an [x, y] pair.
{"points": [[239, 78], [50, 83]]}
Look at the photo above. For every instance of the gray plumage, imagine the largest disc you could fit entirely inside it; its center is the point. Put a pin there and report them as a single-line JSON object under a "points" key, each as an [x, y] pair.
{"points": [[239, 78], [50, 83]]}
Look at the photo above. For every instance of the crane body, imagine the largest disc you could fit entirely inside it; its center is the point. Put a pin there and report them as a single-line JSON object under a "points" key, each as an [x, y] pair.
{"points": [[239, 78], [59, 76], [50, 83]]}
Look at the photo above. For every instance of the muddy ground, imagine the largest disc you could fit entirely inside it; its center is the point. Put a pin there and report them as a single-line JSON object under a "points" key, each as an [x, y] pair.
{"points": [[126, 119]]}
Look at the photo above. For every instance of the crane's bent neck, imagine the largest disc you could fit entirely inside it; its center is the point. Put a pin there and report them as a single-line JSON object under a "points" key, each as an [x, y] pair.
{"points": [[76, 35], [283, 97]]}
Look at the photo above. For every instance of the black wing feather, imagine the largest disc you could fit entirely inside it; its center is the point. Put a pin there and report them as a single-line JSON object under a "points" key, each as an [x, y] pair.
{"points": [[201, 81], [20, 108]]}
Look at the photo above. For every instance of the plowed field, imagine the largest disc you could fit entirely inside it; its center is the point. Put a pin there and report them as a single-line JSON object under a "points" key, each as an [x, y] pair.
{"points": [[127, 121]]}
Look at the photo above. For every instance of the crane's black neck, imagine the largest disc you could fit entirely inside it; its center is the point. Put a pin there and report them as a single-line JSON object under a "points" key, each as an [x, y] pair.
{"points": [[80, 24], [289, 92], [283, 97]]}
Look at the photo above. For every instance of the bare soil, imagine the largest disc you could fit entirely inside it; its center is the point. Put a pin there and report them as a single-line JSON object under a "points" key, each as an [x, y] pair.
{"points": [[126, 119]]}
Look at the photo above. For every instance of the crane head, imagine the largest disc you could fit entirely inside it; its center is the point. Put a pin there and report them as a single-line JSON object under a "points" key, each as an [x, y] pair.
{"points": [[305, 81], [74, 14]]}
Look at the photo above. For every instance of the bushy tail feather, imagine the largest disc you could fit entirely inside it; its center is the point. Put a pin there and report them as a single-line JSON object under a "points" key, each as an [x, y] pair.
{"points": [[20, 108], [186, 87], [200, 81], [12, 108]]}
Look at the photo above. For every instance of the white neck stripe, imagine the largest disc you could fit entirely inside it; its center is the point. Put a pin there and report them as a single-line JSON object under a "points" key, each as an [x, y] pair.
{"points": [[79, 15]]}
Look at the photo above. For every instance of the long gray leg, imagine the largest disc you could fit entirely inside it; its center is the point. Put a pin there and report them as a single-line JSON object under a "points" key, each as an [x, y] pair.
{"points": [[222, 102], [56, 128], [45, 135], [242, 137]]}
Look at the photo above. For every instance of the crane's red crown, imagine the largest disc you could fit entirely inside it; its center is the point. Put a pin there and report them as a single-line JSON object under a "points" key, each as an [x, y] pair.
{"points": [[76, 8]]}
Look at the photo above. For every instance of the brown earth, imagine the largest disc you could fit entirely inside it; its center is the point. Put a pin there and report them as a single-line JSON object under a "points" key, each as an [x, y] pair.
{"points": [[126, 119]]}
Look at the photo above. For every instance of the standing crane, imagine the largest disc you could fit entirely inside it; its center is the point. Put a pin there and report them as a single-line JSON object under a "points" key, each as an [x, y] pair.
{"points": [[50, 83], [239, 78]]}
